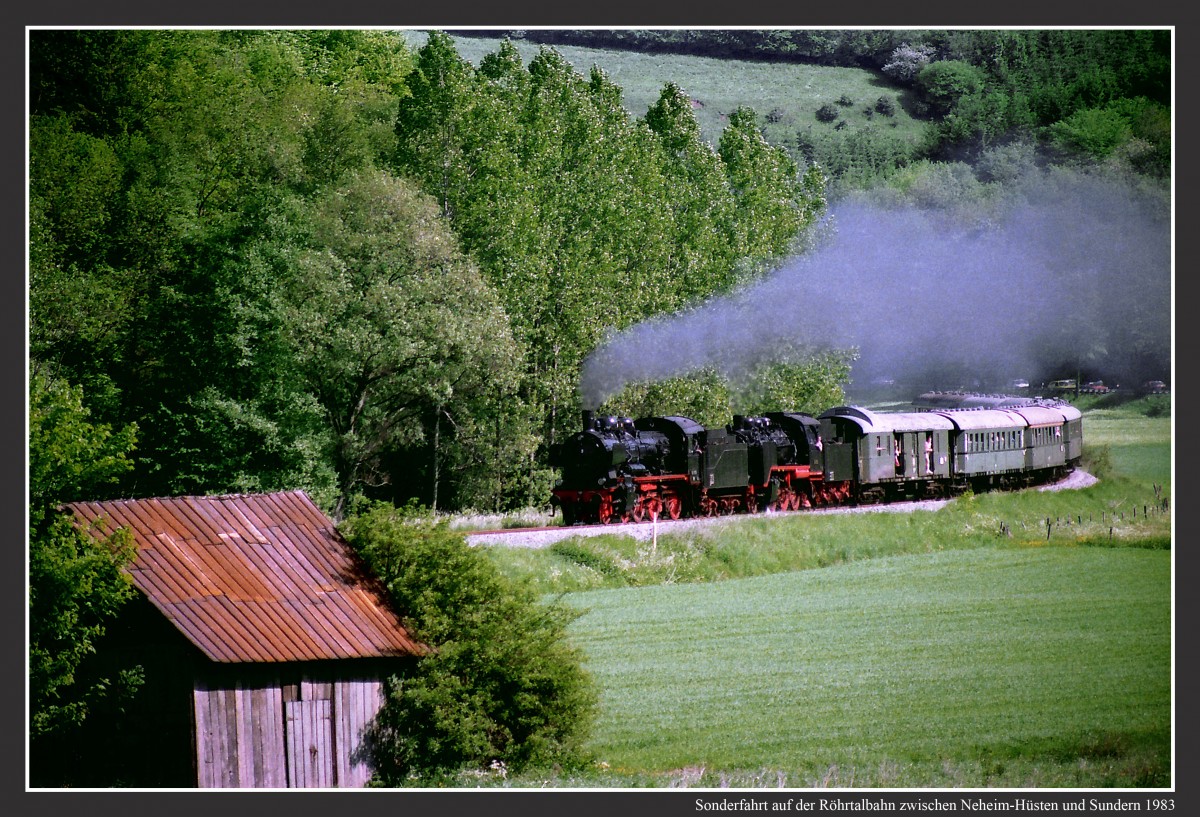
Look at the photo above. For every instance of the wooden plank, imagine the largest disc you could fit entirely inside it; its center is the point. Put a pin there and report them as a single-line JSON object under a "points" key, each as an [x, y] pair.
{"points": [[295, 739], [361, 700], [274, 766], [323, 717], [203, 748], [344, 716], [229, 757], [247, 747]]}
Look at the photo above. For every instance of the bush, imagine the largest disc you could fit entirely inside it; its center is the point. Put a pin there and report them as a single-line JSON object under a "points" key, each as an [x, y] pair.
{"points": [[1097, 461], [827, 113], [845, 101], [501, 687], [1095, 132], [908, 60], [886, 106]]}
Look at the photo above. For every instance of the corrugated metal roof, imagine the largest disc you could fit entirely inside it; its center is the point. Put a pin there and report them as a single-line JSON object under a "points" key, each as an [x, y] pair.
{"points": [[255, 578]]}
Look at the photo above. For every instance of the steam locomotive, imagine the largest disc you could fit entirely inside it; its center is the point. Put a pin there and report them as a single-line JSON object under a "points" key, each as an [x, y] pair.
{"points": [[624, 470]]}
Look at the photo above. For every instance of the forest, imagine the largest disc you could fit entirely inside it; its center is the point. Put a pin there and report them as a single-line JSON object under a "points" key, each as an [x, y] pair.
{"points": [[337, 262]]}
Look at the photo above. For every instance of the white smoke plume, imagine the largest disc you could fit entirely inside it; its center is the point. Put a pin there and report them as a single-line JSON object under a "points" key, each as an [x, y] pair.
{"points": [[1073, 272]]}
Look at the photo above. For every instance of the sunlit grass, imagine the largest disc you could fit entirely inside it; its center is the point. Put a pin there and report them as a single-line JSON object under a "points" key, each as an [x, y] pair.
{"points": [[1042, 660]]}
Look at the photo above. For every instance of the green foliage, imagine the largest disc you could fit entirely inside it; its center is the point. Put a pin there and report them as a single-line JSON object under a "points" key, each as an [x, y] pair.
{"points": [[585, 219], [804, 380], [1095, 132], [827, 113], [945, 84], [75, 581], [70, 457], [808, 383], [1097, 460], [772, 204], [501, 687], [389, 324], [704, 396], [938, 185]]}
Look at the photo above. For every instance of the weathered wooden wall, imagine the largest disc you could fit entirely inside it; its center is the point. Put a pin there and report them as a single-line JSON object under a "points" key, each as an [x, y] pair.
{"points": [[270, 730]]}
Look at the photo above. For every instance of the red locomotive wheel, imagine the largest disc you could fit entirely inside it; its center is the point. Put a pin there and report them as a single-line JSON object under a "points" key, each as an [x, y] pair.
{"points": [[674, 507]]}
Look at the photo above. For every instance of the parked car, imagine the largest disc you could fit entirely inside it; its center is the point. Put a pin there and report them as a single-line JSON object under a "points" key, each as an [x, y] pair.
{"points": [[1154, 387], [1095, 387]]}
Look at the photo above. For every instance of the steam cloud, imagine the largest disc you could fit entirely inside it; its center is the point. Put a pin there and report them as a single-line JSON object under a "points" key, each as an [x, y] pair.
{"points": [[1078, 273]]}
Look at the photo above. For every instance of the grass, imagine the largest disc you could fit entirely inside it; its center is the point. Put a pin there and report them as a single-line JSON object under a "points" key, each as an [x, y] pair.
{"points": [[784, 96], [957, 648], [1015, 664]]}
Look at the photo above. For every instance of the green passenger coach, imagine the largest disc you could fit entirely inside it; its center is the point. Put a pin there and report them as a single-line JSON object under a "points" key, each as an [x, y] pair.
{"points": [[888, 455]]}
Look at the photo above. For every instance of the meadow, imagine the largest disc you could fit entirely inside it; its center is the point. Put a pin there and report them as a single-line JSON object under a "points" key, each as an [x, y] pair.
{"points": [[966, 647]]}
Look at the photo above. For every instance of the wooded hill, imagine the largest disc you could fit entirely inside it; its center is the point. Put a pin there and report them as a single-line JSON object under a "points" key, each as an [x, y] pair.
{"points": [[328, 260]]}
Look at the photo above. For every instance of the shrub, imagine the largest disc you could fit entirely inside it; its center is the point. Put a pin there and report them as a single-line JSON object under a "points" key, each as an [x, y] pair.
{"points": [[907, 61], [886, 105], [501, 686], [827, 113], [845, 101], [1092, 131], [948, 84], [1097, 461]]}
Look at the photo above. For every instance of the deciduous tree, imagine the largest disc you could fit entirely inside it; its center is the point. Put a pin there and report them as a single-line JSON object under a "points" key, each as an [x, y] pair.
{"points": [[76, 585]]}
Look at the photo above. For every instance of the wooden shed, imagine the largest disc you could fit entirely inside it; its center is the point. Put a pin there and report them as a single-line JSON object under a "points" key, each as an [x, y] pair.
{"points": [[265, 642]]}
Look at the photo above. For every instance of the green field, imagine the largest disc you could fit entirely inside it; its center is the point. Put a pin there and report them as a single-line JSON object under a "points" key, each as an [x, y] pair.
{"points": [[1011, 667], [956, 648]]}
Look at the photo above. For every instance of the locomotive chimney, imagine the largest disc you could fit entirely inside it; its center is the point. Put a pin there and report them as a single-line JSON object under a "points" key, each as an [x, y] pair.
{"points": [[587, 420]]}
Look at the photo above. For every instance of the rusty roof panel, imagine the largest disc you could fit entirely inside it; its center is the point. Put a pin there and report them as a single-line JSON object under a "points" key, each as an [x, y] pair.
{"points": [[255, 578]]}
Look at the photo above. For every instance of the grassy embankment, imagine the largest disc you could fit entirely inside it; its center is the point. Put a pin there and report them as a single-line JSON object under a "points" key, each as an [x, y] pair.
{"points": [[880, 650]]}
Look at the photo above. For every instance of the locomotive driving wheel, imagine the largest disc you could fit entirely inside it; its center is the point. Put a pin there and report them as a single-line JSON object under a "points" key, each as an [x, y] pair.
{"points": [[673, 507], [603, 511], [638, 514]]}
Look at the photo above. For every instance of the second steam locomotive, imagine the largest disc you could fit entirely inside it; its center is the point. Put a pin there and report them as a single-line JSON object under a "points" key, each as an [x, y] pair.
{"points": [[622, 470]]}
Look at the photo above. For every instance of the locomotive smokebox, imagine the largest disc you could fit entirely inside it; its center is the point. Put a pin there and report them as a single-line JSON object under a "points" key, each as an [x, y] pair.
{"points": [[588, 421]]}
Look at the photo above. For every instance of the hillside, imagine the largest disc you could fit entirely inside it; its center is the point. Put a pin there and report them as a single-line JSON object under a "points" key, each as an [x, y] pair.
{"points": [[785, 96]]}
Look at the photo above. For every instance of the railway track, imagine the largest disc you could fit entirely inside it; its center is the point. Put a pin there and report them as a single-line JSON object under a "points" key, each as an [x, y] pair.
{"points": [[546, 536]]}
